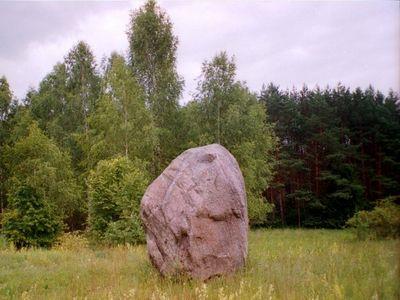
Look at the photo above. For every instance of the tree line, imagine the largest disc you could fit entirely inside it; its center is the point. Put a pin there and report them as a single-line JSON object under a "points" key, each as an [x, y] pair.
{"points": [[339, 152], [79, 151]]}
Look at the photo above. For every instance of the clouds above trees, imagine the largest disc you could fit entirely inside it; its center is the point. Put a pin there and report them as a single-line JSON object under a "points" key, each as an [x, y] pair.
{"points": [[288, 43]]}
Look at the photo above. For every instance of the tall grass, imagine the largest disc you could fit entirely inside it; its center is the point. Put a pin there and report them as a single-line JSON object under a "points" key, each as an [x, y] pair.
{"points": [[282, 264]]}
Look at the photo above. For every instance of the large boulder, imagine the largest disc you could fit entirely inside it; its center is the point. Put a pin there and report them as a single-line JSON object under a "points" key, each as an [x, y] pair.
{"points": [[195, 215]]}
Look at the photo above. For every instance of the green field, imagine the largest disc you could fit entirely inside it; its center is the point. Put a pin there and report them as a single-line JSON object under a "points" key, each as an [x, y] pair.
{"points": [[282, 264]]}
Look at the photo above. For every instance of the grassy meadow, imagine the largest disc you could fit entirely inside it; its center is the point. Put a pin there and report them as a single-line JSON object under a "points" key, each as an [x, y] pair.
{"points": [[282, 264]]}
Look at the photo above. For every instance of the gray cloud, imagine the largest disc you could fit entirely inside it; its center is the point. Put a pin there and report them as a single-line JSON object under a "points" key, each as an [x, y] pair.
{"points": [[356, 43], [288, 43], [24, 22]]}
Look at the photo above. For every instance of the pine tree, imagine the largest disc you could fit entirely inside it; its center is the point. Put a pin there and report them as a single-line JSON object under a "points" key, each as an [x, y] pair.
{"points": [[337, 153]]}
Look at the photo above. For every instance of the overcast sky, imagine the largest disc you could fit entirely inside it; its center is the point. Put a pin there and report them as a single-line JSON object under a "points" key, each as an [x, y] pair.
{"points": [[288, 43]]}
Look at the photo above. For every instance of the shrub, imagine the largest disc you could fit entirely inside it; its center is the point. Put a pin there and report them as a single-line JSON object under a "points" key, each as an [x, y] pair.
{"points": [[115, 189], [382, 222], [36, 161], [258, 210], [125, 230], [30, 222]]}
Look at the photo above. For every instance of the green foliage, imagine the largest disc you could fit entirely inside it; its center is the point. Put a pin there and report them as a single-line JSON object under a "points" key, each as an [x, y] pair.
{"points": [[50, 105], [382, 222], [152, 56], [115, 189], [226, 112], [30, 221], [126, 230], [34, 160], [66, 98], [121, 124], [82, 83], [5, 98], [5, 105], [258, 210], [338, 148], [309, 157]]}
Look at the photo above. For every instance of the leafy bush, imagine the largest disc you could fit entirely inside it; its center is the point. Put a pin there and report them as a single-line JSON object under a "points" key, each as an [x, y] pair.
{"points": [[126, 230], [36, 161], [115, 189], [258, 210], [382, 222], [30, 222], [257, 172]]}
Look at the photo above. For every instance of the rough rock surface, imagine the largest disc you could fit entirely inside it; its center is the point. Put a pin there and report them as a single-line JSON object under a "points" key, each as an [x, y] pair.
{"points": [[195, 215]]}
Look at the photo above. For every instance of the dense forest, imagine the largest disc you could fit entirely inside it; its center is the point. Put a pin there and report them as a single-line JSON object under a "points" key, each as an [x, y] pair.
{"points": [[339, 152], [78, 152]]}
